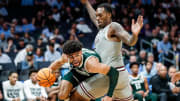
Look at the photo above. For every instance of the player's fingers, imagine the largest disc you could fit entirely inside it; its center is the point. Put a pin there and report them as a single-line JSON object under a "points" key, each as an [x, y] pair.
{"points": [[139, 19], [133, 21]]}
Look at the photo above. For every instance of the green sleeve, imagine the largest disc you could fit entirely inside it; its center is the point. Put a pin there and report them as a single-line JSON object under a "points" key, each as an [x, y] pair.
{"points": [[113, 78]]}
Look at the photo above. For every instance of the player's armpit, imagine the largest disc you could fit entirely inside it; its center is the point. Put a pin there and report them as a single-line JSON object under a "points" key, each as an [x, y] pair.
{"points": [[94, 66]]}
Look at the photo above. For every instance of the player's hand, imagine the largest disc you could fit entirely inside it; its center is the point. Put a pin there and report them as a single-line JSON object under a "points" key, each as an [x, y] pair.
{"points": [[175, 78], [84, 1], [107, 98], [145, 94], [64, 58], [136, 27]]}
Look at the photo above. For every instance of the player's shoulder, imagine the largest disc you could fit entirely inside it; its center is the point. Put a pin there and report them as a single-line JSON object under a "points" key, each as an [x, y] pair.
{"points": [[116, 25]]}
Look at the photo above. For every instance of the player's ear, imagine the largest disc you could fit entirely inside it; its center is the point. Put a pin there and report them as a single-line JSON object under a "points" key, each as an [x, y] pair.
{"points": [[109, 15]]}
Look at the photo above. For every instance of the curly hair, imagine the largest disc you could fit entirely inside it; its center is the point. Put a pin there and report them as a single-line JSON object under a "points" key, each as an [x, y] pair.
{"points": [[72, 46]]}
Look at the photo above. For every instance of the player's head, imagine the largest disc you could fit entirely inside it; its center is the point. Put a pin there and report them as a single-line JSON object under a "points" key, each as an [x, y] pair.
{"points": [[13, 77], [32, 75], [73, 49], [103, 14], [134, 68]]}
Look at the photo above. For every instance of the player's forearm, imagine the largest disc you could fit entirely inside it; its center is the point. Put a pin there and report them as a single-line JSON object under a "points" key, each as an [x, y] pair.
{"points": [[133, 40], [92, 12], [113, 78], [56, 64]]}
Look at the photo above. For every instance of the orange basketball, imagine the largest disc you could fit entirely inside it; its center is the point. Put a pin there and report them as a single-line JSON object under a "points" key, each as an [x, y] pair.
{"points": [[45, 77]]}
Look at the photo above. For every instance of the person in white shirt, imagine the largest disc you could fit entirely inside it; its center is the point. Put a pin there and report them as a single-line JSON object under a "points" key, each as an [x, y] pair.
{"points": [[21, 56], [32, 89], [52, 54], [4, 58], [13, 89]]}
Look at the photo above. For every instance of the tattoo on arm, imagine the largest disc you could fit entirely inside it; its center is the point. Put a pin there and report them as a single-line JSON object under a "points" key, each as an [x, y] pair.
{"points": [[124, 35]]}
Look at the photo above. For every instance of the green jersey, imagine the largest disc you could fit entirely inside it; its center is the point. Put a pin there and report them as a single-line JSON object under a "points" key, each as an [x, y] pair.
{"points": [[79, 74], [137, 83]]}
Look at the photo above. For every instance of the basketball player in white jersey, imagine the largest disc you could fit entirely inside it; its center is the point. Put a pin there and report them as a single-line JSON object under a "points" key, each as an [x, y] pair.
{"points": [[108, 44]]}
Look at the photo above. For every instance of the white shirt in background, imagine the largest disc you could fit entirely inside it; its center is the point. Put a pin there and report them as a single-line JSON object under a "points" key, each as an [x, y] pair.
{"points": [[33, 90], [12, 91], [4, 58]]}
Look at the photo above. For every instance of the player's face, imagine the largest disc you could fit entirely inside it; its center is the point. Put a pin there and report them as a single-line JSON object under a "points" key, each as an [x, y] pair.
{"points": [[13, 78], [102, 17], [135, 69], [75, 58]]}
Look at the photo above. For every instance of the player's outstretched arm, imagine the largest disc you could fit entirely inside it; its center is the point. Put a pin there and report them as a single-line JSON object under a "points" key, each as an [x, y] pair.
{"points": [[117, 30], [58, 63], [176, 77], [91, 11], [94, 66]]}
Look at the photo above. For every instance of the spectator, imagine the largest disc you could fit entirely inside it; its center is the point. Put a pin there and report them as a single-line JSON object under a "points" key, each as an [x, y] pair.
{"points": [[32, 90], [51, 54], [83, 27], [13, 89], [5, 30], [29, 62], [163, 47], [56, 15], [139, 85], [52, 39], [41, 44], [39, 57], [2, 40], [73, 32], [50, 23], [171, 72], [21, 56], [161, 86], [18, 28], [148, 71], [150, 58], [20, 45], [10, 47], [142, 57], [51, 93], [28, 39], [38, 21], [58, 36], [131, 60], [4, 58], [27, 27]]}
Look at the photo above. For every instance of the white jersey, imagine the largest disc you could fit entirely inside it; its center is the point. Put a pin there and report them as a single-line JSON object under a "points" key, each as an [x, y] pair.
{"points": [[12, 91], [109, 51], [33, 90]]}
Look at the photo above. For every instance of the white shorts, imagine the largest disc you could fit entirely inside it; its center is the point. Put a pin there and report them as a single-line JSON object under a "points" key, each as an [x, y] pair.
{"points": [[98, 85]]}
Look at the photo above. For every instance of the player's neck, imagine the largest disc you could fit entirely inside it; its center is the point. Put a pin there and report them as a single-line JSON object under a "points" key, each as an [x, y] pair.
{"points": [[134, 75]]}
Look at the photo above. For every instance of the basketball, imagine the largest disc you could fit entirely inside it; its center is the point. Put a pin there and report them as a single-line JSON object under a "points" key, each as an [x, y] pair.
{"points": [[45, 77]]}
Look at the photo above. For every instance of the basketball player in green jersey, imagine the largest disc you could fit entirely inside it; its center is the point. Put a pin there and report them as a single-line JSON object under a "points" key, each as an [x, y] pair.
{"points": [[85, 64], [139, 85]]}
